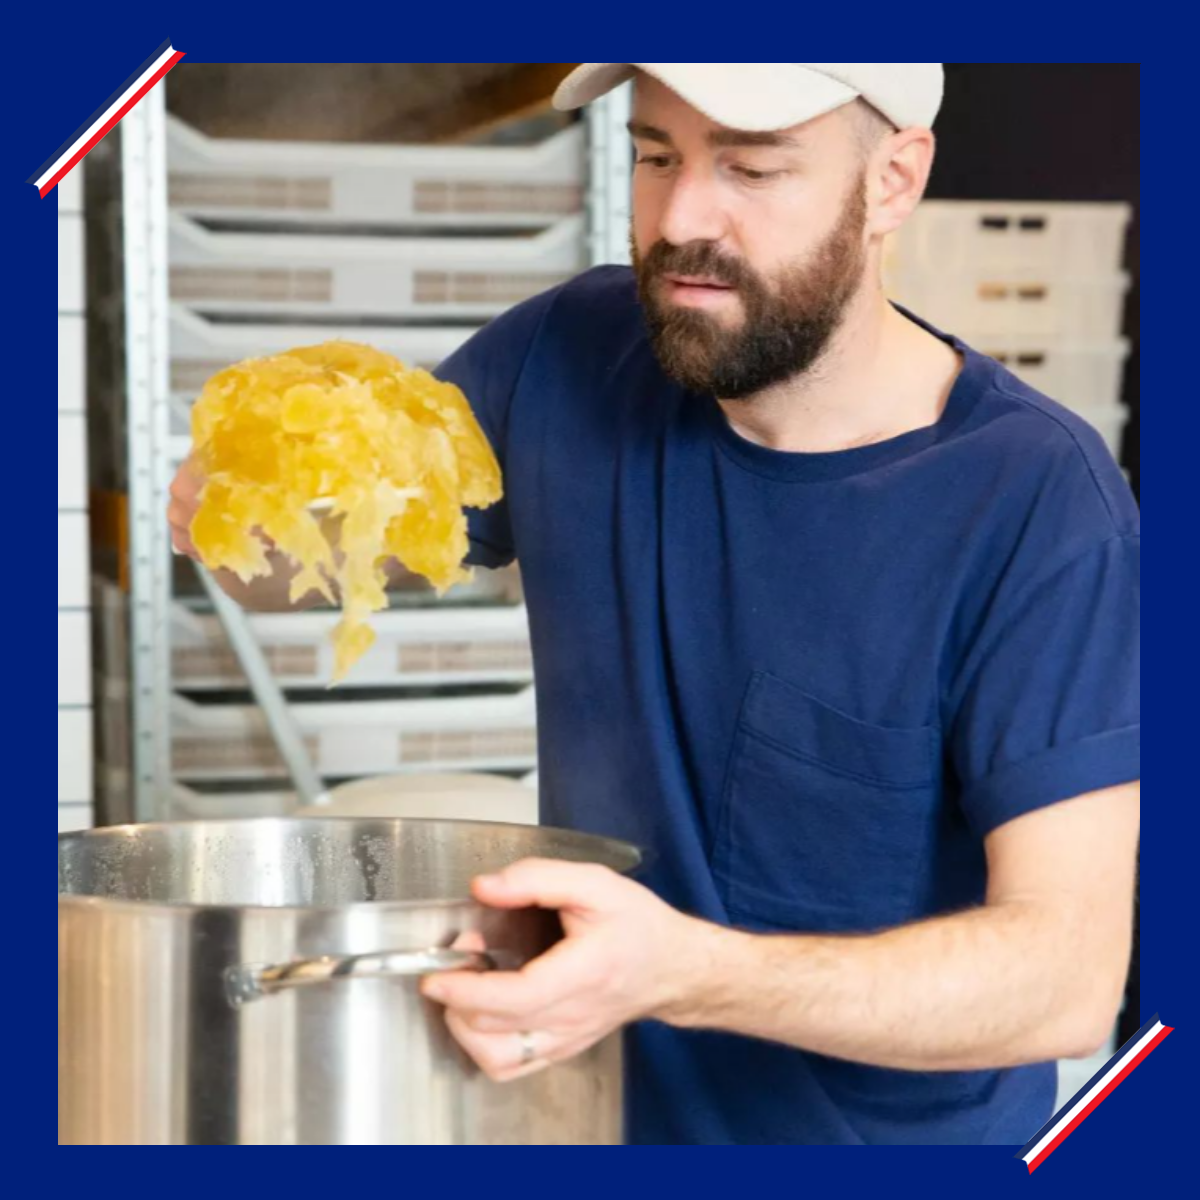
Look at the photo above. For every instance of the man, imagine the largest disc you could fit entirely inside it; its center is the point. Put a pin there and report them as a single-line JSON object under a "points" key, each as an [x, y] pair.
{"points": [[833, 615]]}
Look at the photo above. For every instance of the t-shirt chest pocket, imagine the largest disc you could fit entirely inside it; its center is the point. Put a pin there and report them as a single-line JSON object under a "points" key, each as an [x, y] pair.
{"points": [[826, 821]]}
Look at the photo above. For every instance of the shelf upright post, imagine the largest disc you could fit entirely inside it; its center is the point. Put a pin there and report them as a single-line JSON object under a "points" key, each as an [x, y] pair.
{"points": [[144, 187], [610, 176]]}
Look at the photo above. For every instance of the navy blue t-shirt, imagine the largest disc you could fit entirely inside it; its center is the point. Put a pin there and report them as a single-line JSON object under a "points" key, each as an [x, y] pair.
{"points": [[809, 684]]}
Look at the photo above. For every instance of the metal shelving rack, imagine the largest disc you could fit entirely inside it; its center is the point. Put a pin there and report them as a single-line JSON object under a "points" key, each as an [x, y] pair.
{"points": [[151, 455], [610, 176], [144, 219]]}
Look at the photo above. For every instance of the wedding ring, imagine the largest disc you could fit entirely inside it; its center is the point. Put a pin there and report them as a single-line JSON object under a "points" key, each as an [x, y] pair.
{"points": [[528, 1049]]}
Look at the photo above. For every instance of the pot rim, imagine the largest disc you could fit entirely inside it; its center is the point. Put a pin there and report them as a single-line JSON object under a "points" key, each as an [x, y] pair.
{"points": [[637, 856]]}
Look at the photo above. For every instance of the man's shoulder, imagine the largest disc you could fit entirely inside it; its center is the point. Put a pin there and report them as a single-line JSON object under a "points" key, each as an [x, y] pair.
{"points": [[1056, 455], [568, 332], [599, 306], [610, 285]]}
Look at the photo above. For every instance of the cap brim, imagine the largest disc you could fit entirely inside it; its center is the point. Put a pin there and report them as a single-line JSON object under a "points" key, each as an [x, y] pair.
{"points": [[755, 97]]}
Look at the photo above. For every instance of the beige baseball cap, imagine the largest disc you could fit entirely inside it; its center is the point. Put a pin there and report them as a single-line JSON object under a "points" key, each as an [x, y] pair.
{"points": [[764, 97]]}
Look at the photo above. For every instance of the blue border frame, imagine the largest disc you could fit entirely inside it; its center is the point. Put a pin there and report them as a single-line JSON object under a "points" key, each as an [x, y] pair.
{"points": [[1145, 1133]]}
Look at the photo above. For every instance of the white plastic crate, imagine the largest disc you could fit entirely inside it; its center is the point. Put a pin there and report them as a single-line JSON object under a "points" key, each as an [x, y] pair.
{"points": [[416, 648], [1077, 374], [200, 348], [451, 642], [1015, 303], [74, 658], [349, 739], [368, 277], [75, 765], [72, 560], [72, 370], [72, 461], [1071, 241], [375, 185], [74, 818], [70, 264]]}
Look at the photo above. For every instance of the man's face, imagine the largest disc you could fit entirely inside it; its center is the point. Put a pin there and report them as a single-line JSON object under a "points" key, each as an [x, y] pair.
{"points": [[748, 248]]}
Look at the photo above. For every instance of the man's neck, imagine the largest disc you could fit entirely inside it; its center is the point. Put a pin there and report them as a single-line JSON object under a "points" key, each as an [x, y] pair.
{"points": [[882, 376]]}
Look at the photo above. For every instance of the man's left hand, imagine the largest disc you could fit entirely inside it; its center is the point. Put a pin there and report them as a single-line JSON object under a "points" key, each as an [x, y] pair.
{"points": [[626, 957]]}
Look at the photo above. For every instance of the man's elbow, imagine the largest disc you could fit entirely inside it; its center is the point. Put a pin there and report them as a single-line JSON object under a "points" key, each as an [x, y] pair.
{"points": [[1088, 1039], [1086, 1027]]}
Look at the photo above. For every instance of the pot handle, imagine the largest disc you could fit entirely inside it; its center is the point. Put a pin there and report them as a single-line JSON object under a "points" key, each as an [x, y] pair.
{"points": [[249, 983]]}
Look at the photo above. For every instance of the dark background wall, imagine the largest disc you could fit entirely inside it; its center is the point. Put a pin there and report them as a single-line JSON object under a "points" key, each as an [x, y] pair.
{"points": [[1049, 131]]}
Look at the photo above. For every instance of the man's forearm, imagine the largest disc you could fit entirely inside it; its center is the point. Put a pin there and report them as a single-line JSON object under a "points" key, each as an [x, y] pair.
{"points": [[997, 987]]}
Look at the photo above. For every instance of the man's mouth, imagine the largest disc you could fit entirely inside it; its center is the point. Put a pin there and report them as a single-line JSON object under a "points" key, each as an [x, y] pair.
{"points": [[697, 291]]}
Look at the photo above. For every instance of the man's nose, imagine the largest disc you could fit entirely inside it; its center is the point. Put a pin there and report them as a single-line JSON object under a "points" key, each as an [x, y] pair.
{"points": [[693, 212]]}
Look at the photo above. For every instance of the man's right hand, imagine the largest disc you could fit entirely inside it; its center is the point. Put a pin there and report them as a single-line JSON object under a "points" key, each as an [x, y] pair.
{"points": [[269, 594], [185, 503]]}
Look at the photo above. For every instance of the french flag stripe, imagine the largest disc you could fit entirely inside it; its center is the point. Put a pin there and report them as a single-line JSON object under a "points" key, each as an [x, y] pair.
{"points": [[99, 124], [1095, 1092]]}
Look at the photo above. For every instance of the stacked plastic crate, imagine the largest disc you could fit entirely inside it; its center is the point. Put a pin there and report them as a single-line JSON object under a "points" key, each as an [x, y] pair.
{"points": [[1040, 287], [409, 249], [74, 622]]}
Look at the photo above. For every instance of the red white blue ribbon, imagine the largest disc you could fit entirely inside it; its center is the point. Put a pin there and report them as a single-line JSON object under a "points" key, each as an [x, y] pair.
{"points": [[1095, 1092], [105, 118]]}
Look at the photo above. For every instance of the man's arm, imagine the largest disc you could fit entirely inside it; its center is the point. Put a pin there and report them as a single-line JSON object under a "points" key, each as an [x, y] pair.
{"points": [[1036, 974]]}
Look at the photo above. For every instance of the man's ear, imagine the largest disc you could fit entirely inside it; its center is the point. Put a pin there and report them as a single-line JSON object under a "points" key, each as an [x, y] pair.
{"points": [[897, 177]]}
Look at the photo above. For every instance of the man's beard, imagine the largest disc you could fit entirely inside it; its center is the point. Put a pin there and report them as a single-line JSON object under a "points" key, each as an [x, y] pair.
{"points": [[787, 325]]}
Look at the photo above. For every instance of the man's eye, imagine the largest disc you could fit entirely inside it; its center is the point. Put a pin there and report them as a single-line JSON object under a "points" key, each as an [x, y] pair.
{"points": [[753, 176], [659, 162]]}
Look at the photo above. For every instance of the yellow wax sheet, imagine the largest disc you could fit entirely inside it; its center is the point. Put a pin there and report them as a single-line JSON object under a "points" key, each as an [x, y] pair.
{"points": [[344, 458]]}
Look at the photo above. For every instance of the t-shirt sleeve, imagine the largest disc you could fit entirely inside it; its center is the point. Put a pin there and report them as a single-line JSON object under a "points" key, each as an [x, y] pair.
{"points": [[1048, 704], [488, 369]]}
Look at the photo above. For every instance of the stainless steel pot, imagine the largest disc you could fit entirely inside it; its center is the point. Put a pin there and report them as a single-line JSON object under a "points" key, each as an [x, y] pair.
{"points": [[256, 983]]}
